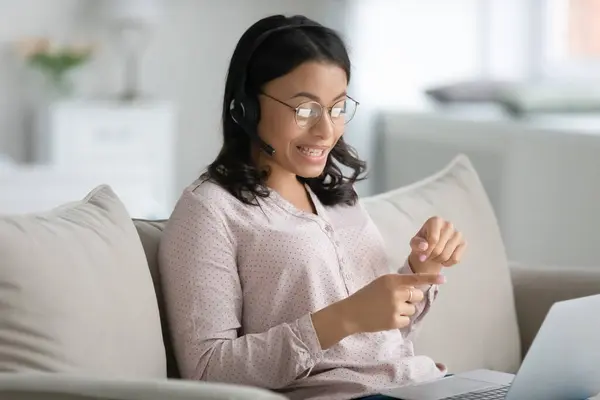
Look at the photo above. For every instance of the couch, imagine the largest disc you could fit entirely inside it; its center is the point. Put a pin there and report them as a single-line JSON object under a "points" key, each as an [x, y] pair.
{"points": [[81, 313]]}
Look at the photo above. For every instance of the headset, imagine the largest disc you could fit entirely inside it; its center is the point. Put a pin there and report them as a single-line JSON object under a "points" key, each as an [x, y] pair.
{"points": [[244, 109]]}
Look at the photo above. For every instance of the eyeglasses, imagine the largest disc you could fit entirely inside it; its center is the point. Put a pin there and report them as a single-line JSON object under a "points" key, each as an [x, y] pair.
{"points": [[309, 113]]}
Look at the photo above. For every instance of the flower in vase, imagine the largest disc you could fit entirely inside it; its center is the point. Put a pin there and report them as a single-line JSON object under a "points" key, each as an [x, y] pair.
{"points": [[54, 60]]}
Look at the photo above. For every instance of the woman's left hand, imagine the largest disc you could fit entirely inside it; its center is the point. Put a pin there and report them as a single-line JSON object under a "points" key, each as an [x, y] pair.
{"points": [[436, 245]]}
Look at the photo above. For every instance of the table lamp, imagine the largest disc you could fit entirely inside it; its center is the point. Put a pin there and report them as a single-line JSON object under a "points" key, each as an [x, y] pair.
{"points": [[134, 21]]}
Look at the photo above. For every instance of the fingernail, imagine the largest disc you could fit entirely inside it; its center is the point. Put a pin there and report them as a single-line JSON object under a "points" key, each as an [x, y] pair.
{"points": [[423, 246], [422, 257]]}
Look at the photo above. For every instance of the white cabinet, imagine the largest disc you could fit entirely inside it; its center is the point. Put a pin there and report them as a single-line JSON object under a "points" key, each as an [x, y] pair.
{"points": [[109, 140]]}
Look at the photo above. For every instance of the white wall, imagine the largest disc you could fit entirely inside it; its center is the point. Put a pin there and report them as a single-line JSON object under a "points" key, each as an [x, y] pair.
{"points": [[186, 62]]}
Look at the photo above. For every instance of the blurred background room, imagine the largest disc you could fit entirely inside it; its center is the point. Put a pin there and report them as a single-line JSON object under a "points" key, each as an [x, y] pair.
{"points": [[129, 93]]}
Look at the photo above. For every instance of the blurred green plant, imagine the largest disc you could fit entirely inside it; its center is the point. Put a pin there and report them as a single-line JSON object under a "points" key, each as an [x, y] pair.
{"points": [[55, 61]]}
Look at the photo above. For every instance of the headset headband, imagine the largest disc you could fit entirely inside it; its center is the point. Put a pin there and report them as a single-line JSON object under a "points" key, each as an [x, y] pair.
{"points": [[260, 40]]}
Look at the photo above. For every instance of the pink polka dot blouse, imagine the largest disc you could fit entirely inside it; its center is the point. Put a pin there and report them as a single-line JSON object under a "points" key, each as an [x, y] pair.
{"points": [[240, 283]]}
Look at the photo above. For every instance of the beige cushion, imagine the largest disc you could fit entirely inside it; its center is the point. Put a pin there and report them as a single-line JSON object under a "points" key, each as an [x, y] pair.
{"points": [[76, 294], [473, 323]]}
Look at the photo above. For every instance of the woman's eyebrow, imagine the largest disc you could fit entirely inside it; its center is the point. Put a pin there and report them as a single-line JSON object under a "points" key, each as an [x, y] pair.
{"points": [[315, 97]]}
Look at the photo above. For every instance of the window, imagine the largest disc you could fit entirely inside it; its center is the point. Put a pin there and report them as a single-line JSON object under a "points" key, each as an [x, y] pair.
{"points": [[400, 48], [570, 39], [583, 29]]}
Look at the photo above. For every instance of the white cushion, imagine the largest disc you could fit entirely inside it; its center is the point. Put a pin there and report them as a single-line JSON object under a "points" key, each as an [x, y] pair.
{"points": [[473, 323], [76, 294]]}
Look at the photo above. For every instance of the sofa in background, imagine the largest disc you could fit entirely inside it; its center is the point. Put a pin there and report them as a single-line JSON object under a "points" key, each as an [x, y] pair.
{"points": [[81, 314], [539, 173]]}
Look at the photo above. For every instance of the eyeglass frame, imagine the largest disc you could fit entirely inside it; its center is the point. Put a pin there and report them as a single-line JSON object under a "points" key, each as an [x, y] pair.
{"points": [[295, 109]]}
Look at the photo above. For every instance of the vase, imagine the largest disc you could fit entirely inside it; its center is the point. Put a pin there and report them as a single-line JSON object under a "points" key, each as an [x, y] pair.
{"points": [[59, 85]]}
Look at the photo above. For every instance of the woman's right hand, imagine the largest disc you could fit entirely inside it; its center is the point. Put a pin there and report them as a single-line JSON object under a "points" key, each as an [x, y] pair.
{"points": [[384, 304]]}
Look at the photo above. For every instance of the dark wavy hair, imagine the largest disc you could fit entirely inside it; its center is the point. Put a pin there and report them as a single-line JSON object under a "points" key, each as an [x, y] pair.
{"points": [[283, 51]]}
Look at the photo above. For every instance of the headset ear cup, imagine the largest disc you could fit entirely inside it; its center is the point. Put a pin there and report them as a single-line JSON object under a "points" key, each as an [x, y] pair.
{"points": [[234, 111], [252, 112], [246, 114]]}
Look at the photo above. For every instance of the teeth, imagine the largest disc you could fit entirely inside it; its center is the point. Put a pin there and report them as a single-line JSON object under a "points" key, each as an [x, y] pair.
{"points": [[311, 152]]}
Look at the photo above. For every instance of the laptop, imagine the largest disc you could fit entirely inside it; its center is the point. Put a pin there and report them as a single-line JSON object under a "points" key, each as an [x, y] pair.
{"points": [[563, 363]]}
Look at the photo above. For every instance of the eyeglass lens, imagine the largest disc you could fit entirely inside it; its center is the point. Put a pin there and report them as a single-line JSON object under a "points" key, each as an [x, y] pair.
{"points": [[341, 113]]}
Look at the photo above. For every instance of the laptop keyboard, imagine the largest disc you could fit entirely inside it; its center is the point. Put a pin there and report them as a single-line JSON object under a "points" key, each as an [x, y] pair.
{"points": [[498, 393]]}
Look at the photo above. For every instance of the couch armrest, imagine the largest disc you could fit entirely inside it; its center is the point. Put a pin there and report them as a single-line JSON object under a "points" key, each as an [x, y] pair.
{"points": [[56, 386], [536, 288]]}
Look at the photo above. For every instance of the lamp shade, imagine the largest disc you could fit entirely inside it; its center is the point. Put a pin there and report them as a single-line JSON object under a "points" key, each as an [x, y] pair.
{"points": [[137, 11]]}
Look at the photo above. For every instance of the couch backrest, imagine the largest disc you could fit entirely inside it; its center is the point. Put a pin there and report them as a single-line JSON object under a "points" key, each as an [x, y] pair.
{"points": [[473, 323], [150, 233]]}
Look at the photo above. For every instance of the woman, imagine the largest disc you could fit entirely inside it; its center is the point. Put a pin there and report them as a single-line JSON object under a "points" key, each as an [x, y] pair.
{"points": [[274, 275]]}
